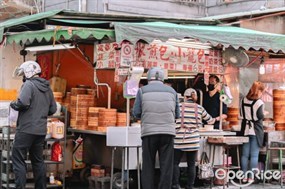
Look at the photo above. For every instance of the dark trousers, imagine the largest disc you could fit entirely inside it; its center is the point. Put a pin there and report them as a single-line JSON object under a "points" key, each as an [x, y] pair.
{"points": [[191, 171], [33, 144], [163, 144]]}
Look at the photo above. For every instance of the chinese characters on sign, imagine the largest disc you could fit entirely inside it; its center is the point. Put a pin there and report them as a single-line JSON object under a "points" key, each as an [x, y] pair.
{"points": [[178, 58], [107, 55], [165, 56]]}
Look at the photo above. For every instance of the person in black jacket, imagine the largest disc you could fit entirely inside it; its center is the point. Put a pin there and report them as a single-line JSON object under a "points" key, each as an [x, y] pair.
{"points": [[212, 101], [35, 103]]}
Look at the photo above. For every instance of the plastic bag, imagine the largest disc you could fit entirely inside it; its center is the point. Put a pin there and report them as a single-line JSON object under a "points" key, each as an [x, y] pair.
{"points": [[56, 152], [205, 167], [13, 117], [130, 89]]}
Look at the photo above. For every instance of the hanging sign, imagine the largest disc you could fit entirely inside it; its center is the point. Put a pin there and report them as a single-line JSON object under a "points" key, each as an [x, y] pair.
{"points": [[167, 57], [178, 58], [107, 55], [127, 55]]}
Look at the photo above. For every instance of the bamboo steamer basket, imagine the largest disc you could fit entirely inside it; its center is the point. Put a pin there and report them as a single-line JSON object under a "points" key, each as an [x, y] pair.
{"points": [[82, 100], [233, 116], [79, 113], [121, 119], [92, 121], [91, 92], [78, 124], [58, 96], [82, 112], [94, 111], [107, 117], [77, 91], [279, 109], [93, 116]]}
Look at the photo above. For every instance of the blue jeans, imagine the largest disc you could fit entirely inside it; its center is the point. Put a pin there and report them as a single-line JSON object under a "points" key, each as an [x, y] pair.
{"points": [[250, 151]]}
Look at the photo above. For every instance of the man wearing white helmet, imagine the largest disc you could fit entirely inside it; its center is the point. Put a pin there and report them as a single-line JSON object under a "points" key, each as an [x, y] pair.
{"points": [[35, 103], [157, 106]]}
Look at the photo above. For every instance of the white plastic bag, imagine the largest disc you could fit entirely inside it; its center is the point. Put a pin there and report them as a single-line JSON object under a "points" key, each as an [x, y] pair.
{"points": [[13, 117]]}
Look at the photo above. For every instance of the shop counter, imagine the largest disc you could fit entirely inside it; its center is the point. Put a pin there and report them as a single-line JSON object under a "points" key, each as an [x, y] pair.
{"points": [[96, 150]]}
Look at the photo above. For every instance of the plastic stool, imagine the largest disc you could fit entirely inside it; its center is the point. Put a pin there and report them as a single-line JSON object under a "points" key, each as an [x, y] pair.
{"points": [[275, 146]]}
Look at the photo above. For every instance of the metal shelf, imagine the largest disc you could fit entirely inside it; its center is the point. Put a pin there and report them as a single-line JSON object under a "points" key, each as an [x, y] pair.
{"points": [[6, 143], [31, 185], [29, 162]]}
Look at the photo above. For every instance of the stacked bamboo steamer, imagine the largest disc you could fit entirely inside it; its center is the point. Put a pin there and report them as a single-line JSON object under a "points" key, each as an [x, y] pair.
{"points": [[279, 109], [107, 117], [121, 119], [93, 93], [233, 116], [80, 102], [93, 118]]}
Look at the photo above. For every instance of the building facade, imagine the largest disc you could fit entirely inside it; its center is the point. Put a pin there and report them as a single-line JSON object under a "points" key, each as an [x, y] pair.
{"points": [[169, 8]]}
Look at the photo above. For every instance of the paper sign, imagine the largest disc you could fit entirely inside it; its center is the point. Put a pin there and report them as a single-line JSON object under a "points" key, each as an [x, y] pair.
{"points": [[127, 55]]}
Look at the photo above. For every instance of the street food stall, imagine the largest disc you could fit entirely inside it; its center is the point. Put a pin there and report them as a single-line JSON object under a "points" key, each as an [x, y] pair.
{"points": [[89, 74]]}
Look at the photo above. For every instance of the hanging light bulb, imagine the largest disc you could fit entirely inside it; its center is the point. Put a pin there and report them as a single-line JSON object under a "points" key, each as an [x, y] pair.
{"points": [[261, 66]]}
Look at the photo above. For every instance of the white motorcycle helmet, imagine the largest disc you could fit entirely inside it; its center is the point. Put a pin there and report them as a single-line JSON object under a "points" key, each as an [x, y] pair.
{"points": [[28, 69]]}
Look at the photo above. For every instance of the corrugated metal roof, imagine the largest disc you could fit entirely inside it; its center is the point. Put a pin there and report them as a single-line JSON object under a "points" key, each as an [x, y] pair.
{"points": [[216, 35]]}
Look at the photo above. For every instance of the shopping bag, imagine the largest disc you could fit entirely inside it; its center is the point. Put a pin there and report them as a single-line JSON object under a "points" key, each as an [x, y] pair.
{"points": [[205, 167]]}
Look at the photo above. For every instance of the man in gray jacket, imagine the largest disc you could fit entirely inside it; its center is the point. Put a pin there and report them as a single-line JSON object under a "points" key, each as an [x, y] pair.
{"points": [[35, 103], [157, 106]]}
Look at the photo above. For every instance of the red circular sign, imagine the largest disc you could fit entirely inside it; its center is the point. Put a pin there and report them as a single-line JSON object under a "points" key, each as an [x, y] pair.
{"points": [[127, 50]]}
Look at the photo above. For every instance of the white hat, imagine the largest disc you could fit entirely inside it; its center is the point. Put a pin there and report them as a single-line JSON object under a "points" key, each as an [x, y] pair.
{"points": [[189, 92], [155, 73]]}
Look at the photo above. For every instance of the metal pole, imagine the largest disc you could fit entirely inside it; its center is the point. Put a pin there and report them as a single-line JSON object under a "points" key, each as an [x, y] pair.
{"points": [[138, 168], [123, 168], [128, 112], [112, 168], [221, 117]]}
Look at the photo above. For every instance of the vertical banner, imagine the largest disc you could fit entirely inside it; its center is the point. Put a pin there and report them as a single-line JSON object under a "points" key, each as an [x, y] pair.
{"points": [[45, 63]]}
